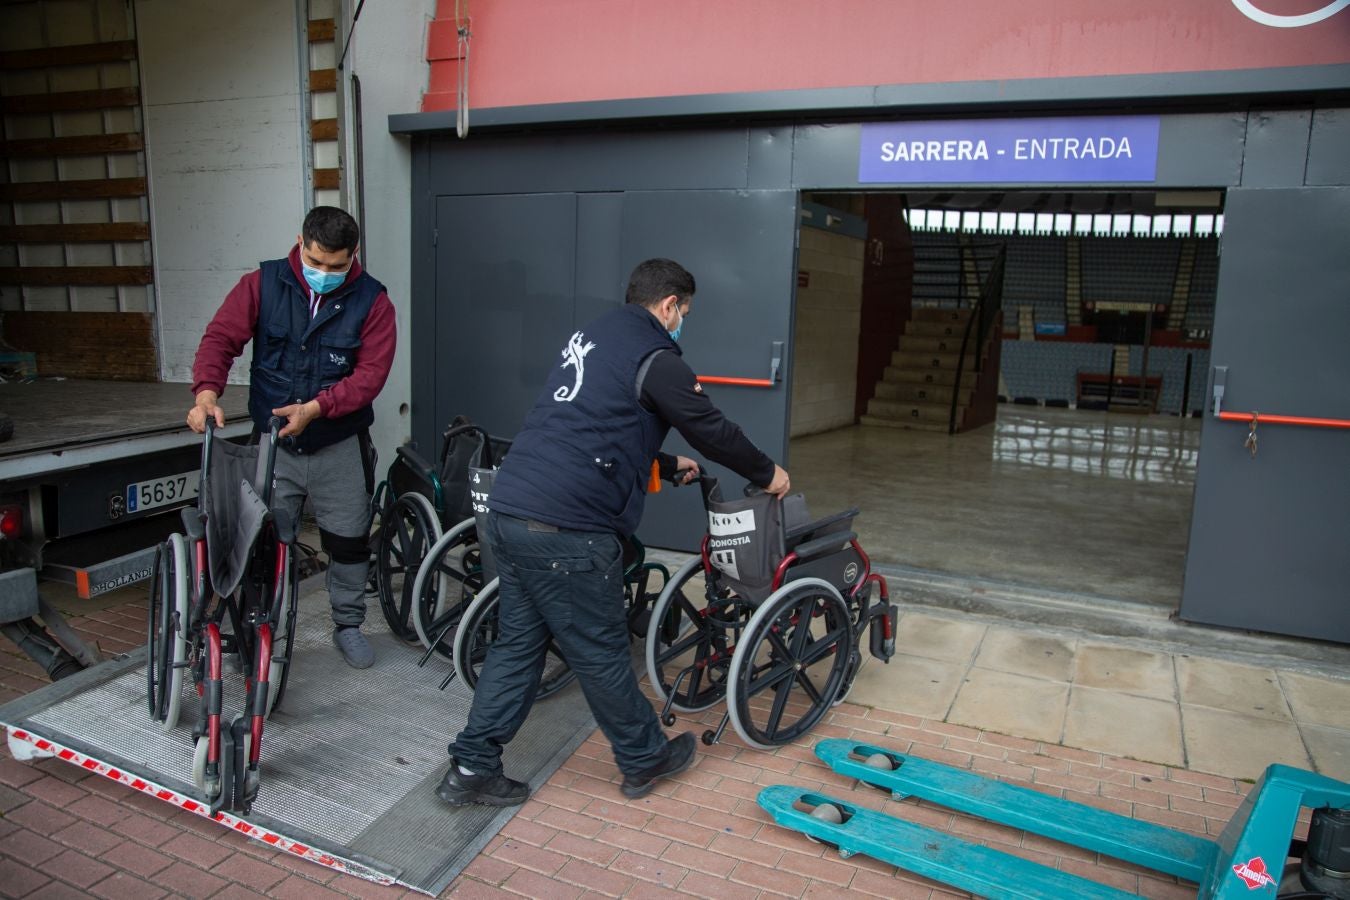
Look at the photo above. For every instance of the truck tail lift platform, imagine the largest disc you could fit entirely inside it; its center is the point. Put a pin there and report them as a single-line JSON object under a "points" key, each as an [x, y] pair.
{"points": [[1246, 861]]}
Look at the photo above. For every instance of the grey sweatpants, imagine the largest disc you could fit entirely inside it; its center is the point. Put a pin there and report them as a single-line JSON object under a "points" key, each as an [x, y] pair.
{"points": [[335, 482]]}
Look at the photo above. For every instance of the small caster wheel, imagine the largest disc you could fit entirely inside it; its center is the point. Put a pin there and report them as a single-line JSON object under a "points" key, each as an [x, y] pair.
{"points": [[879, 761], [826, 812], [709, 737], [668, 720]]}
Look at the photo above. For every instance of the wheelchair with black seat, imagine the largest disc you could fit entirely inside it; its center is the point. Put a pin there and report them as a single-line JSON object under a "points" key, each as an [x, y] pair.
{"points": [[228, 585], [424, 508], [768, 617], [477, 628]]}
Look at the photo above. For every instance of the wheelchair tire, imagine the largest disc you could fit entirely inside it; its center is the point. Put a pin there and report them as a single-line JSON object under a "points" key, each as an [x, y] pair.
{"points": [[182, 606], [154, 629], [798, 641], [283, 637], [476, 632], [447, 581], [406, 534], [679, 636]]}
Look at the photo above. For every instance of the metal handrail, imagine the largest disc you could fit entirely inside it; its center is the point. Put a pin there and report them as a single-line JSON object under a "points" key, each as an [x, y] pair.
{"points": [[983, 316]]}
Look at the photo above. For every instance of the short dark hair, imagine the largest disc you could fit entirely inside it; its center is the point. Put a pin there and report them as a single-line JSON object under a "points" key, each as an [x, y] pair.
{"points": [[331, 228], [656, 279]]}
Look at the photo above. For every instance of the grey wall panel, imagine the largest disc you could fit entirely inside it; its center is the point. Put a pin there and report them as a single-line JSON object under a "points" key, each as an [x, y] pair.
{"points": [[770, 158], [1276, 148], [1201, 150], [601, 279], [666, 160], [505, 271], [1329, 147], [1267, 547], [825, 156], [422, 340]]}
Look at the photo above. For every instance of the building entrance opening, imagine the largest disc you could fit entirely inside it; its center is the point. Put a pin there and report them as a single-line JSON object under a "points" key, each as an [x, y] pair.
{"points": [[1008, 384]]}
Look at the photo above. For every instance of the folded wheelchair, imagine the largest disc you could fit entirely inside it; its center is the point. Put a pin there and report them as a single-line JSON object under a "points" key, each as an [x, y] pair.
{"points": [[426, 517], [227, 586], [477, 628], [769, 617]]}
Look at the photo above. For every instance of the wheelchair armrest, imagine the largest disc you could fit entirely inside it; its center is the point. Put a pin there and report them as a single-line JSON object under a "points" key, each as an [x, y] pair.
{"points": [[823, 545], [408, 453], [193, 523], [821, 524]]}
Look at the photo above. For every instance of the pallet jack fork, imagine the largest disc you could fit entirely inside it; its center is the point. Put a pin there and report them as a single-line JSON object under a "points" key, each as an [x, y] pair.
{"points": [[1260, 834]]}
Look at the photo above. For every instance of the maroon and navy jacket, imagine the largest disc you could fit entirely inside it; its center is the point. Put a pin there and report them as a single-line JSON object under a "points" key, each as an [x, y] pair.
{"points": [[337, 352]]}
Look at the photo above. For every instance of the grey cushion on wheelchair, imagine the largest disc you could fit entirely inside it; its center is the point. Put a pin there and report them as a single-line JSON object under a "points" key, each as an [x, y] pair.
{"points": [[194, 523], [234, 512], [285, 526]]}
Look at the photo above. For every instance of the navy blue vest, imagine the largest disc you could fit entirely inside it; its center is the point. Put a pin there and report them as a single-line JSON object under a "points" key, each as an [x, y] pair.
{"points": [[584, 454], [295, 357]]}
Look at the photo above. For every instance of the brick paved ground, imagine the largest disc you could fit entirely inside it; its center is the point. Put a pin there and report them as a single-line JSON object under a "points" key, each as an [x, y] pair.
{"points": [[67, 833]]}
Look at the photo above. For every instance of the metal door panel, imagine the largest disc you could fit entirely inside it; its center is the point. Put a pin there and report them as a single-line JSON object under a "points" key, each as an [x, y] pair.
{"points": [[739, 245], [505, 275], [1267, 546]]}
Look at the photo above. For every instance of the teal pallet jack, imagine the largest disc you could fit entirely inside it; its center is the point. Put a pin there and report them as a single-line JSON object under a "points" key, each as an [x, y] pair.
{"points": [[1246, 861]]}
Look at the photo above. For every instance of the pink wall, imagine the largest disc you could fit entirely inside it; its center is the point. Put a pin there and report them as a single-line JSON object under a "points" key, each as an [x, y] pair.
{"points": [[547, 51]]}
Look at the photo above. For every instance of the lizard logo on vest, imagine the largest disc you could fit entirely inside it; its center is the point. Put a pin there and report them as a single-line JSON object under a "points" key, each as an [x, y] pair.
{"points": [[574, 354]]}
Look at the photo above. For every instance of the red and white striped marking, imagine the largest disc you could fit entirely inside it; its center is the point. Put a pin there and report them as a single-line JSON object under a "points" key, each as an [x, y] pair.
{"points": [[130, 779]]}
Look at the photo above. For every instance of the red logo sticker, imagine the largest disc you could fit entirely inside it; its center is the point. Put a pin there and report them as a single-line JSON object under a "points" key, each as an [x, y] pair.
{"points": [[1253, 871]]}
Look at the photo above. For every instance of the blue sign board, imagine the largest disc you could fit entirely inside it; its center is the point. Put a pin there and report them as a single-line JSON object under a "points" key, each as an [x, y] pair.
{"points": [[1057, 151]]}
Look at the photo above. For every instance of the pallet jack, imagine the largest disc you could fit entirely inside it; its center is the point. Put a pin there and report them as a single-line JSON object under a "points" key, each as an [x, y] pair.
{"points": [[1260, 834]]}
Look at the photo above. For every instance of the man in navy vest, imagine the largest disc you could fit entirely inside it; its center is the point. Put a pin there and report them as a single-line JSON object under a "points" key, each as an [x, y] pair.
{"points": [[574, 482], [323, 338]]}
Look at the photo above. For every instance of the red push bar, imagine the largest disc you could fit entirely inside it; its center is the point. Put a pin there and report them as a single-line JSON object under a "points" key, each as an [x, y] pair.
{"points": [[1266, 419], [744, 382]]}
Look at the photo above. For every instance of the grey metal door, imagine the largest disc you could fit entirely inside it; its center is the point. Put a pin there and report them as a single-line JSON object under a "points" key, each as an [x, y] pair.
{"points": [[505, 287], [516, 274], [1269, 534], [739, 246]]}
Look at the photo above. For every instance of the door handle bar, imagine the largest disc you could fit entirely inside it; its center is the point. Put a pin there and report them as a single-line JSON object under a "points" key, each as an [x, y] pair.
{"points": [[1269, 419]]}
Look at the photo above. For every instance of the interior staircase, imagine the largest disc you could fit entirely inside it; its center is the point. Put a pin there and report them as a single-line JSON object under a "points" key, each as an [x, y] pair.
{"points": [[917, 387]]}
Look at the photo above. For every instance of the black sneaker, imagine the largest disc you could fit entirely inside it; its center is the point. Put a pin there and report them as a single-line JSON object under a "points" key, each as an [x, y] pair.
{"points": [[459, 789], [679, 756]]}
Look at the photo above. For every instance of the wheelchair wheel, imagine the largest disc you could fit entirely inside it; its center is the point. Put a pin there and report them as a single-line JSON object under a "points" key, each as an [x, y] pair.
{"points": [[406, 534], [476, 632], [283, 637], [688, 632], [790, 663], [170, 599], [448, 579]]}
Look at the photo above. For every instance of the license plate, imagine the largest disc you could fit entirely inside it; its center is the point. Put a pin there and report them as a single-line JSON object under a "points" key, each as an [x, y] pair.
{"points": [[145, 495]]}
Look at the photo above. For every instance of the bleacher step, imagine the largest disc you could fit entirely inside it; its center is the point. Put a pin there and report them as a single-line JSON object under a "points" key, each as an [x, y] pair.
{"points": [[934, 314], [912, 412], [935, 329], [946, 377], [926, 343], [913, 425], [921, 392], [907, 359]]}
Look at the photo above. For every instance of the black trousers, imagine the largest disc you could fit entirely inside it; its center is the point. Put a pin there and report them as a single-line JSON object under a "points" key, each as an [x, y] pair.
{"points": [[568, 584]]}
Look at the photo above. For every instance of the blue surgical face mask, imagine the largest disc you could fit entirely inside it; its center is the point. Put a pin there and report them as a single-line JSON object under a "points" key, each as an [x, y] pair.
{"points": [[323, 282], [675, 335]]}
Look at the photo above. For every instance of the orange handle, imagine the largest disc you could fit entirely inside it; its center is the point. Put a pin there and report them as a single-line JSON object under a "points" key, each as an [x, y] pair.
{"points": [[1264, 419], [727, 379], [654, 481]]}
